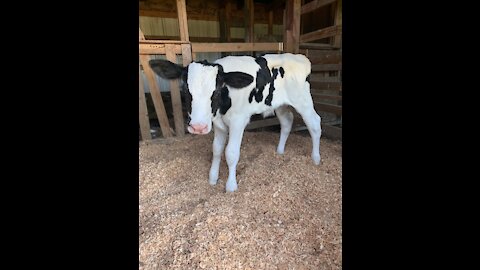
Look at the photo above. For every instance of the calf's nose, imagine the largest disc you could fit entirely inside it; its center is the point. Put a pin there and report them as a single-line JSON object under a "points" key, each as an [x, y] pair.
{"points": [[199, 128]]}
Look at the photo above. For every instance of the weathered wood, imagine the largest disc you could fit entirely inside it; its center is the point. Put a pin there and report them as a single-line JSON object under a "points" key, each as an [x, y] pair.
{"points": [[318, 97], [142, 109], [156, 97], [160, 41], [332, 132], [175, 94], [236, 47], [146, 49], [325, 57], [315, 46], [170, 39], [326, 67], [186, 54], [182, 20], [315, 4], [315, 78], [337, 40], [248, 9], [319, 106], [270, 23], [337, 86], [292, 25], [321, 33], [263, 123]]}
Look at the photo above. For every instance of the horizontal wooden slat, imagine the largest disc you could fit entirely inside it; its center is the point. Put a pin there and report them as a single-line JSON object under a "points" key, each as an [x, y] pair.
{"points": [[192, 39], [316, 46], [157, 49], [318, 97], [326, 85], [160, 41], [315, 4], [321, 33], [328, 108], [325, 57], [332, 132], [327, 67], [263, 123], [236, 47], [316, 78]]}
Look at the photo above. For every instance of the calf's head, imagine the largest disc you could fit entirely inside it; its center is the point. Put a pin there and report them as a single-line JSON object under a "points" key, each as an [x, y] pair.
{"points": [[205, 83]]}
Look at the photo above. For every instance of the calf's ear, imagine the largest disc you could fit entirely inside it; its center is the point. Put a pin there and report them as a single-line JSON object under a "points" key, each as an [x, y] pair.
{"points": [[167, 69], [237, 79]]}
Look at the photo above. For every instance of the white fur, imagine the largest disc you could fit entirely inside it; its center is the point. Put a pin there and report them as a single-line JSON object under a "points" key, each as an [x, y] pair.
{"points": [[291, 90]]}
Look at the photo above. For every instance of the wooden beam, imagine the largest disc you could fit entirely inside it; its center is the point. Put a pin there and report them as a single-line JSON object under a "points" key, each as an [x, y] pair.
{"points": [[326, 67], [182, 20], [175, 94], [186, 54], [248, 9], [317, 97], [156, 97], [337, 86], [325, 57], [270, 23], [315, 4], [192, 39], [328, 108], [292, 25], [316, 78], [237, 47], [332, 132], [321, 33], [142, 109], [337, 40]]}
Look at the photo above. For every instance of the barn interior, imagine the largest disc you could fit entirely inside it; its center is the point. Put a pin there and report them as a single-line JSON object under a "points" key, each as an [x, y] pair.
{"points": [[193, 30]]}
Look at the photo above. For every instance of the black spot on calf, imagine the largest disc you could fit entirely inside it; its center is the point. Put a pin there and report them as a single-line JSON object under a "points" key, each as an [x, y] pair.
{"points": [[308, 78], [263, 77], [282, 71], [268, 100], [220, 100]]}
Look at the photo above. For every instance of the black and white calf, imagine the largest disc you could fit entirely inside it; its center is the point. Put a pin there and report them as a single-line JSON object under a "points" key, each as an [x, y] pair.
{"points": [[232, 89]]}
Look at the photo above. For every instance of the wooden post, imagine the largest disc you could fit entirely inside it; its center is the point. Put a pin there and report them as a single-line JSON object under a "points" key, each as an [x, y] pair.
{"points": [[155, 92], [175, 93], [182, 20], [270, 23], [292, 25], [337, 39], [248, 10], [142, 109]]}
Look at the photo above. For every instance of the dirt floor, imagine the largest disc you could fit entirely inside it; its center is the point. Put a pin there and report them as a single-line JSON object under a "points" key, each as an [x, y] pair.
{"points": [[286, 213]]}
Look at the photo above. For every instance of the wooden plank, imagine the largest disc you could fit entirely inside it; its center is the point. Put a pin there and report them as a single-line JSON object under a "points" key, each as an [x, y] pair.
{"points": [[326, 85], [315, 78], [175, 94], [318, 97], [321, 33], [315, 46], [270, 23], [172, 39], [315, 4], [292, 25], [248, 9], [236, 47], [156, 97], [328, 108], [182, 20], [332, 132], [145, 49], [263, 123], [325, 57], [142, 109], [186, 54], [337, 40], [326, 67]]}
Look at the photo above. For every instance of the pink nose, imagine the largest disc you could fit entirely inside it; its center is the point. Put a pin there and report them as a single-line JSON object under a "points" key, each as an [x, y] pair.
{"points": [[198, 128]]}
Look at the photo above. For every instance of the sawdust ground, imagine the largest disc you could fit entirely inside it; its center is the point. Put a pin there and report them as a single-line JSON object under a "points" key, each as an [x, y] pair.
{"points": [[286, 213]]}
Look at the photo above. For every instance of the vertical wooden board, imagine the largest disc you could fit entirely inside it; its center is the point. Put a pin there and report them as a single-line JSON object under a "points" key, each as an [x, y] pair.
{"points": [[186, 54], [156, 97], [292, 25], [142, 109], [297, 8], [175, 93], [182, 20], [337, 40], [249, 20]]}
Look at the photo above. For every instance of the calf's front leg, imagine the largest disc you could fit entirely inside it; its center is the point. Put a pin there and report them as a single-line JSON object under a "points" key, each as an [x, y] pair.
{"points": [[219, 139], [232, 152]]}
